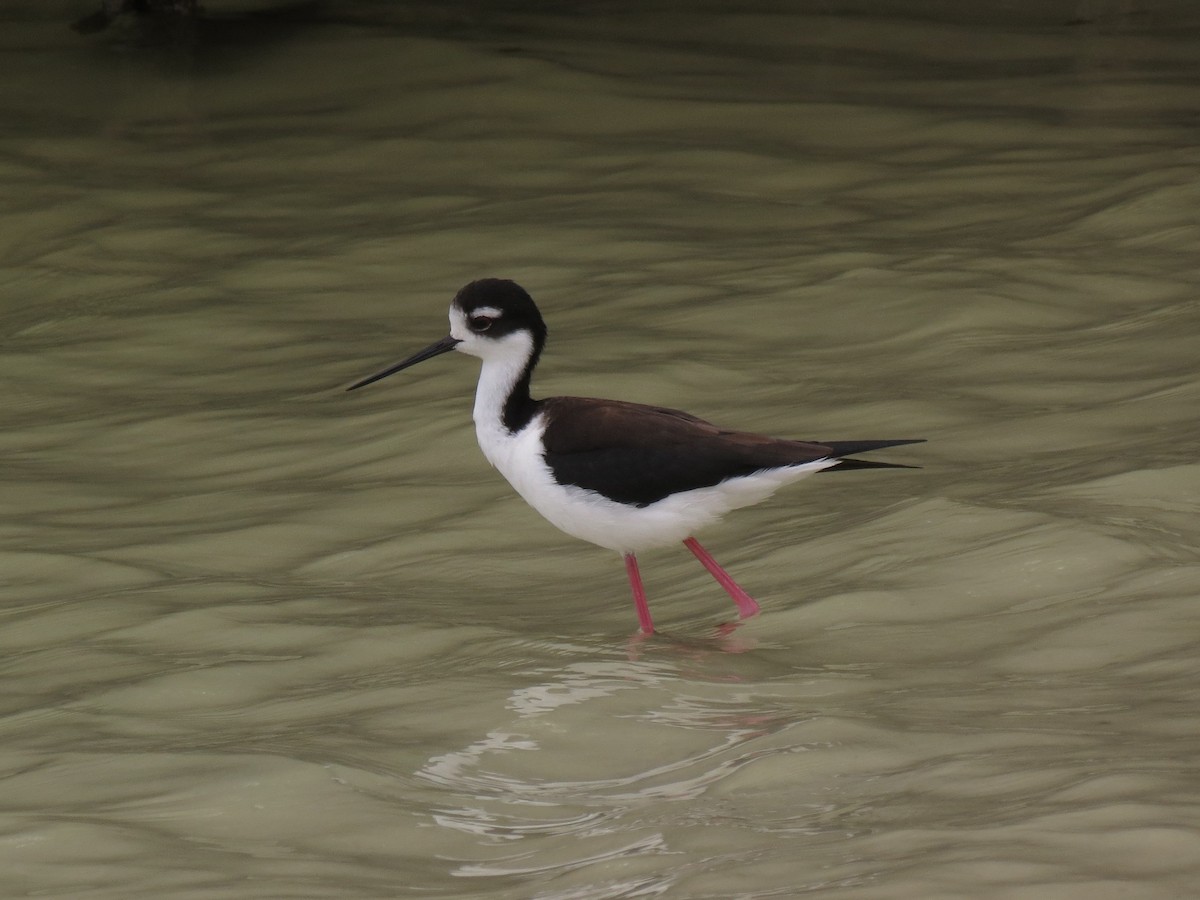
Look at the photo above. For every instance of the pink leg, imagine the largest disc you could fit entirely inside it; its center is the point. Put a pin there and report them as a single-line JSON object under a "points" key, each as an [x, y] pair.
{"points": [[745, 603], [639, 594]]}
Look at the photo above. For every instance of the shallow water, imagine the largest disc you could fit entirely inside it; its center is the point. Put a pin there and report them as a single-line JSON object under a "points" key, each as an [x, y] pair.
{"points": [[262, 638]]}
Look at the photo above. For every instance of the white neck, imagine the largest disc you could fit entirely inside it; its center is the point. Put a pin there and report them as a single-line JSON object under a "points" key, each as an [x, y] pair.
{"points": [[502, 369]]}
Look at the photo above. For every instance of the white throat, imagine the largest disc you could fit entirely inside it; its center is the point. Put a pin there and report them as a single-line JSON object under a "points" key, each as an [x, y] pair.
{"points": [[504, 362]]}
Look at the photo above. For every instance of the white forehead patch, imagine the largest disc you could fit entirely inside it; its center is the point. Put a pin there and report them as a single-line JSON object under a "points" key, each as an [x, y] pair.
{"points": [[458, 323]]}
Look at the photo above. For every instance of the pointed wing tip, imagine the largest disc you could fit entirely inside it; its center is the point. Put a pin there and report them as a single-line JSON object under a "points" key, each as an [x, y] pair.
{"points": [[844, 451], [843, 465], [850, 448]]}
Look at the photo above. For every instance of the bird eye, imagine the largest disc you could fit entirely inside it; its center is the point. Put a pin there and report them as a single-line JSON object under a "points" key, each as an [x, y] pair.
{"points": [[480, 323]]}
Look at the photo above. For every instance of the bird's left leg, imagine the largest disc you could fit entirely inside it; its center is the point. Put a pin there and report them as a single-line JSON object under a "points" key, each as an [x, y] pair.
{"points": [[745, 603]]}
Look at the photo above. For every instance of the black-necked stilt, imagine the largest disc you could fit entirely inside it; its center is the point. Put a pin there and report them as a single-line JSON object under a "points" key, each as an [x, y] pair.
{"points": [[621, 475]]}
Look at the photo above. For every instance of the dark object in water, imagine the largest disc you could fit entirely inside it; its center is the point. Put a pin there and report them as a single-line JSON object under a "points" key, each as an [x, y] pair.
{"points": [[185, 32], [111, 9]]}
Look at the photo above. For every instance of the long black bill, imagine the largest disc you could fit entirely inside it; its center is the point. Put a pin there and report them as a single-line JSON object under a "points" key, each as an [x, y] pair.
{"points": [[445, 345]]}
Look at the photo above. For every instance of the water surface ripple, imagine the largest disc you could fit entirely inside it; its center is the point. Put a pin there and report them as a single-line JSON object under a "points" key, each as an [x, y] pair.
{"points": [[261, 638]]}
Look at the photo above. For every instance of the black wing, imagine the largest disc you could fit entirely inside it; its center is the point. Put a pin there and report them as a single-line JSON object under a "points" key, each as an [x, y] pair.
{"points": [[639, 454]]}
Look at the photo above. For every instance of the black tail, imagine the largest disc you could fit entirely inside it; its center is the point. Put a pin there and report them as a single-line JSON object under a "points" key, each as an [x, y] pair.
{"points": [[843, 449]]}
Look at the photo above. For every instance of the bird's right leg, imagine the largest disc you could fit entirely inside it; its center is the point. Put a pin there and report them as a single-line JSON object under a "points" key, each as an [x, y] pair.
{"points": [[639, 594]]}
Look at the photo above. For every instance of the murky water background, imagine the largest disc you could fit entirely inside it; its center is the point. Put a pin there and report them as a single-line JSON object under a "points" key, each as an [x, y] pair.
{"points": [[262, 638]]}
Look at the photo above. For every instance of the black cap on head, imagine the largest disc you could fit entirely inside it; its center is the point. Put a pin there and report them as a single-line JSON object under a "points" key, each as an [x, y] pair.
{"points": [[516, 307]]}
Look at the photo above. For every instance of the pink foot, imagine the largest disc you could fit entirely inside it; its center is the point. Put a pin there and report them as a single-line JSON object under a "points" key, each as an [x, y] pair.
{"points": [[746, 604]]}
